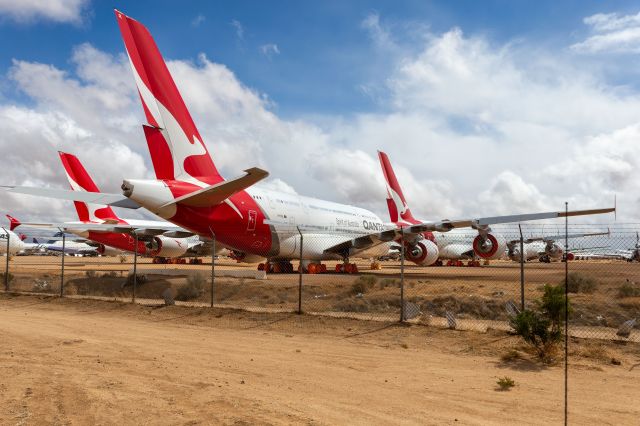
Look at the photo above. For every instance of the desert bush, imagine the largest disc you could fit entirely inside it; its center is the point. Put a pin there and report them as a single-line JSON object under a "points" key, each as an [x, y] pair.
{"points": [[123, 258], [388, 282], [91, 274], [629, 290], [363, 284], [41, 286], [505, 383], [542, 327], [193, 289], [552, 306], [579, 283], [10, 277], [110, 274], [141, 279]]}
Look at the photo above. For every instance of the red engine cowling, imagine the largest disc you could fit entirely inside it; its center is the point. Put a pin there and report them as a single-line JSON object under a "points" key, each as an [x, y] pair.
{"points": [[167, 247], [570, 257], [107, 251], [489, 247], [422, 253]]}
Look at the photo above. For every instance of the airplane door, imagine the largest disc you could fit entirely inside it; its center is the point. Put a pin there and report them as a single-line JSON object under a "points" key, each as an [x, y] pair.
{"points": [[251, 220]]}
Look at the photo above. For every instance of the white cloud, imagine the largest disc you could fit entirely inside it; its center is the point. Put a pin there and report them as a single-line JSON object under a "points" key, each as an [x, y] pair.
{"points": [[239, 29], [611, 33], [198, 20], [471, 128], [269, 50], [69, 11]]}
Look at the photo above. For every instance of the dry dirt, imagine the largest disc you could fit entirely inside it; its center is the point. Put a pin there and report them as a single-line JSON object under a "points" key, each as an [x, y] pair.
{"points": [[65, 361]]}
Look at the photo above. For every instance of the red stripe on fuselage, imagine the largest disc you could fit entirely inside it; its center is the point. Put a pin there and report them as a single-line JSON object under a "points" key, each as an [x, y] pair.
{"points": [[120, 241]]}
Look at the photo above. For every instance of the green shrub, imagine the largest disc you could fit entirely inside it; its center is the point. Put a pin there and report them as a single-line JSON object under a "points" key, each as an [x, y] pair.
{"points": [[535, 330], [193, 289], [363, 284], [579, 283], [552, 306], [629, 290], [505, 383]]}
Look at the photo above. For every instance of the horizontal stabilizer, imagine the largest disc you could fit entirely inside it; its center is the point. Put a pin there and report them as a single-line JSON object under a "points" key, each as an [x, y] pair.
{"points": [[216, 194], [115, 200]]}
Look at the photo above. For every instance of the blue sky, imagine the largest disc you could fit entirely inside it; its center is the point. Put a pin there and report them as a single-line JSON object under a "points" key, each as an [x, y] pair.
{"points": [[325, 53], [491, 107]]}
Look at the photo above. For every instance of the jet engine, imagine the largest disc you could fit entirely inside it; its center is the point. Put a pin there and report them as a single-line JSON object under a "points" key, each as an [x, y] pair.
{"points": [[107, 250], [489, 246], [167, 247], [422, 253], [242, 257]]}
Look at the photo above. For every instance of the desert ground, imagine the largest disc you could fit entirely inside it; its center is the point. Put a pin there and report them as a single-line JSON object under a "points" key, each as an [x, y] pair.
{"points": [[70, 361], [476, 296]]}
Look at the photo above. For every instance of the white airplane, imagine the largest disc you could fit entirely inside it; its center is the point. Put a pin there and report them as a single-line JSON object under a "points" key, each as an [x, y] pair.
{"points": [[545, 249], [16, 245], [111, 242], [257, 223]]}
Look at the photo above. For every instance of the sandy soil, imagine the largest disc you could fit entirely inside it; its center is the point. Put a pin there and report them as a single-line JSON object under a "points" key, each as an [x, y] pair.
{"points": [[65, 361]]}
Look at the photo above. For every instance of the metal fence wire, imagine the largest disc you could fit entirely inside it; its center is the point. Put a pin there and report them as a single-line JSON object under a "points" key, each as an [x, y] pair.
{"points": [[471, 293]]}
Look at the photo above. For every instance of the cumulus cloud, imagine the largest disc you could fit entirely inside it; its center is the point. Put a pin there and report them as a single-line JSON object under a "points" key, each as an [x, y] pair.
{"points": [[611, 33], [23, 11], [472, 128]]}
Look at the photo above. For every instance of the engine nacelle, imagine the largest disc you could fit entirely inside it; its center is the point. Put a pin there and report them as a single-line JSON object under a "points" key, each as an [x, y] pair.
{"points": [[242, 257], [167, 247], [489, 246], [422, 253], [107, 250]]}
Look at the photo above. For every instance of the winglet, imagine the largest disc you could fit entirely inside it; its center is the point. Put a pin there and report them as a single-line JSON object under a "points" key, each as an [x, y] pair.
{"points": [[13, 222]]}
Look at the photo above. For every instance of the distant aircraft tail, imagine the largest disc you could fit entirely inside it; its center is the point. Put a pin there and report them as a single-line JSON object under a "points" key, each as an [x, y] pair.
{"points": [[398, 209], [178, 151], [13, 222], [80, 180]]}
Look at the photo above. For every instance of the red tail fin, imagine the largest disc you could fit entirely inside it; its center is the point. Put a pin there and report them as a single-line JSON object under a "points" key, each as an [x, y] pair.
{"points": [[80, 180], [398, 208], [13, 222], [164, 107]]}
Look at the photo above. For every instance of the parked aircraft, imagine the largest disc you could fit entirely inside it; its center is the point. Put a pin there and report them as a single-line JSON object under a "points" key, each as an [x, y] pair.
{"points": [[545, 249], [16, 245], [113, 242], [256, 222]]}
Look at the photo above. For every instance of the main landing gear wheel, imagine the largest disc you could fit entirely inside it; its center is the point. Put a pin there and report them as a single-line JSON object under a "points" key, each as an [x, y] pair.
{"points": [[347, 268], [375, 266]]}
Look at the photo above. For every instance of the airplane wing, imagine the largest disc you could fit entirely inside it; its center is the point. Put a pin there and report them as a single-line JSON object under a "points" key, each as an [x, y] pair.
{"points": [[364, 242], [554, 238], [114, 200], [168, 230], [216, 194]]}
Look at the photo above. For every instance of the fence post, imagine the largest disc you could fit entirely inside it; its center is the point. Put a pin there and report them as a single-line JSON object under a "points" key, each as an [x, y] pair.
{"points": [[566, 313], [64, 246], [6, 268], [300, 272], [521, 269], [213, 266], [135, 268], [402, 316]]}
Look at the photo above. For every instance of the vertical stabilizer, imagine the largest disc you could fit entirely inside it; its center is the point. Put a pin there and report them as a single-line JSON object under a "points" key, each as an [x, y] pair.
{"points": [[398, 209], [80, 180], [164, 107]]}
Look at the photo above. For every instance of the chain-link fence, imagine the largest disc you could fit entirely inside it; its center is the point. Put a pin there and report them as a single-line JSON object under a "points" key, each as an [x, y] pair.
{"points": [[381, 284]]}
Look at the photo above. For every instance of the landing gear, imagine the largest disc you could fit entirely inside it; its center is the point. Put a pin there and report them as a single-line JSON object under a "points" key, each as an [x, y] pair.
{"points": [[278, 267], [347, 268], [375, 266], [455, 262], [473, 263], [195, 261]]}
